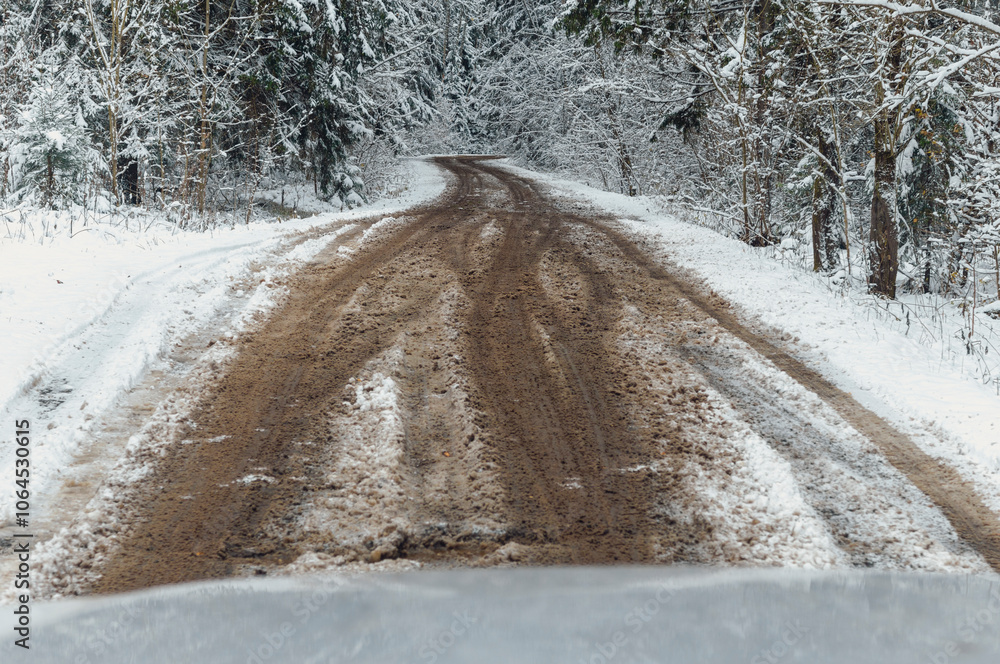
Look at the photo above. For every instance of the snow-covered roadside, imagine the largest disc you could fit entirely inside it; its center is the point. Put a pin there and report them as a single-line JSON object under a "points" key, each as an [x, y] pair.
{"points": [[948, 413], [82, 319]]}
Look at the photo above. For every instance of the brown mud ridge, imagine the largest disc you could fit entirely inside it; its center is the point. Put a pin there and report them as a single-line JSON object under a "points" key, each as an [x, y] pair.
{"points": [[524, 430]]}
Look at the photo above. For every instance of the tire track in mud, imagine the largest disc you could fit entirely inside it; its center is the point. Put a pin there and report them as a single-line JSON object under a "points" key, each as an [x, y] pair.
{"points": [[482, 342], [543, 380], [842, 476]]}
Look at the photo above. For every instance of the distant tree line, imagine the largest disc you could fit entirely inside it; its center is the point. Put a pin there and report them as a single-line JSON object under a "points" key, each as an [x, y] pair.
{"points": [[868, 129], [194, 102]]}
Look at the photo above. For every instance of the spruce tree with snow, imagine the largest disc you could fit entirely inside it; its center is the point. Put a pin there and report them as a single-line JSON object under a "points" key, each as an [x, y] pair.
{"points": [[49, 147]]}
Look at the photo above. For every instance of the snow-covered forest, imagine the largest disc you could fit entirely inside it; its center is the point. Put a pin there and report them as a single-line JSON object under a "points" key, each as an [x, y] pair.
{"points": [[863, 131], [331, 287]]}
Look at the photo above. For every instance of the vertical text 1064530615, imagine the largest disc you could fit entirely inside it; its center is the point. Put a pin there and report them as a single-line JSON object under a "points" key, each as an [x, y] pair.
{"points": [[22, 538]]}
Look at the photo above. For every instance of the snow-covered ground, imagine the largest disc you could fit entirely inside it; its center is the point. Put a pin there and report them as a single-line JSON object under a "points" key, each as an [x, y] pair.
{"points": [[84, 317], [888, 361]]}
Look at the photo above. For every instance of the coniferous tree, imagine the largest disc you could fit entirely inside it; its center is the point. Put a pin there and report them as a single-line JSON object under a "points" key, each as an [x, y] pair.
{"points": [[48, 148]]}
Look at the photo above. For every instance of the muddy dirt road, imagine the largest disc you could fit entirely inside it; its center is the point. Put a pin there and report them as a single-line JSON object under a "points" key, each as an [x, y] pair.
{"points": [[505, 378]]}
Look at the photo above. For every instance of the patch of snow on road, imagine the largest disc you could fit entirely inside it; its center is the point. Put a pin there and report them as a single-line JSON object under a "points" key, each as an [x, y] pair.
{"points": [[762, 505], [733, 479], [381, 228], [876, 515], [741, 497], [398, 443], [490, 231], [369, 491], [65, 564], [250, 479]]}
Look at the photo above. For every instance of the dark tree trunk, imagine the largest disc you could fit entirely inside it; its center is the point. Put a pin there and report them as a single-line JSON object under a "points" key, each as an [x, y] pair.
{"points": [[757, 178], [927, 272], [128, 177], [50, 181], [883, 233], [825, 244], [884, 242]]}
